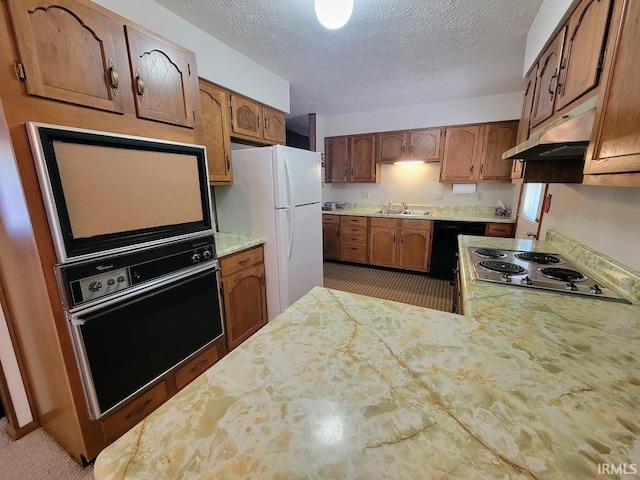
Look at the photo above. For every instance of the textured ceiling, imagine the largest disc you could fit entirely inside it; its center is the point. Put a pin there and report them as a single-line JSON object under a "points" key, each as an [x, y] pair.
{"points": [[391, 53]]}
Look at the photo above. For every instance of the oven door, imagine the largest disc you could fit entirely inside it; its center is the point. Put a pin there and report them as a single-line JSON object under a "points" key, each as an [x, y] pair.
{"points": [[124, 344]]}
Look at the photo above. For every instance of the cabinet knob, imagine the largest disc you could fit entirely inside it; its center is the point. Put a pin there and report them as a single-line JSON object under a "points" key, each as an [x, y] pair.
{"points": [[139, 84]]}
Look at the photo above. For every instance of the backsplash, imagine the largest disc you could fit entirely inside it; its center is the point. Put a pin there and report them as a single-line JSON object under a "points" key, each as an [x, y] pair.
{"points": [[419, 184]]}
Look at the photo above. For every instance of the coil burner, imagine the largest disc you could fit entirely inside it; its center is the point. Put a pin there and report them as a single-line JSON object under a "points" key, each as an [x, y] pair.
{"points": [[503, 267], [490, 253], [536, 257], [563, 274]]}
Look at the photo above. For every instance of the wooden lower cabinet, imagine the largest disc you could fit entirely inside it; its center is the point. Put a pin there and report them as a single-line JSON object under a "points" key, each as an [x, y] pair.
{"points": [[244, 295], [353, 239], [499, 230], [400, 243], [331, 237]]}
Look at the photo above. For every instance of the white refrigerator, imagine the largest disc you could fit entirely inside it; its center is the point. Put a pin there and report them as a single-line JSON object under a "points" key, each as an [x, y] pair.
{"points": [[276, 194]]}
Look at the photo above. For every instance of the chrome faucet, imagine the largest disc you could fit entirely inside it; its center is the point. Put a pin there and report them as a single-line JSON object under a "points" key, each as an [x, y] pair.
{"points": [[404, 206]]}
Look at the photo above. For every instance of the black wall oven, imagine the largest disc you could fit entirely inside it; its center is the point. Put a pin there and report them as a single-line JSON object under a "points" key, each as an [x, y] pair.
{"points": [[135, 316]]}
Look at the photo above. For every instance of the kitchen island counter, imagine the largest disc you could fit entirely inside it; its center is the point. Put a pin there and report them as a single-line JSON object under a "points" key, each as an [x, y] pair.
{"points": [[346, 386], [229, 243]]}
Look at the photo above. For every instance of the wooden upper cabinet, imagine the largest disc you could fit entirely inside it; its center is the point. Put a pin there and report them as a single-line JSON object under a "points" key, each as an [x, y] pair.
{"points": [[517, 169], [274, 128], [461, 151], [213, 132], [410, 145], [616, 148], [246, 116], [392, 146], [67, 53], [162, 74], [425, 144], [337, 159], [584, 50], [547, 81], [498, 138], [363, 158]]}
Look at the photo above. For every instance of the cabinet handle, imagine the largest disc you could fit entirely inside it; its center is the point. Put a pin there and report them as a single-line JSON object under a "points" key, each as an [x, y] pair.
{"points": [[354, 248], [345, 172], [228, 162], [115, 78], [199, 366], [139, 84], [394, 238], [560, 86], [553, 77], [266, 124], [402, 151], [471, 169], [402, 239], [258, 118], [245, 261], [352, 171], [139, 409], [411, 150], [481, 168]]}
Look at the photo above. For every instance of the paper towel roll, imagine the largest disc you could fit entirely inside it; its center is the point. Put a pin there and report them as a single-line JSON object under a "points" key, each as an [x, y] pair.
{"points": [[463, 188]]}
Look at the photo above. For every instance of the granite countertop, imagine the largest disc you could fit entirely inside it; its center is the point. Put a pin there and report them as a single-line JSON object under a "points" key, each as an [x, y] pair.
{"points": [[228, 243], [346, 386], [464, 214]]}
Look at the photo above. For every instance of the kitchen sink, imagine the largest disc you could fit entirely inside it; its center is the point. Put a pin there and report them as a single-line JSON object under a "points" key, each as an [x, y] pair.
{"points": [[409, 213]]}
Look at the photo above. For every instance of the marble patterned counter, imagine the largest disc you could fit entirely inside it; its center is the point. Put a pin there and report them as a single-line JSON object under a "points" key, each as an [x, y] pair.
{"points": [[229, 243], [341, 386]]}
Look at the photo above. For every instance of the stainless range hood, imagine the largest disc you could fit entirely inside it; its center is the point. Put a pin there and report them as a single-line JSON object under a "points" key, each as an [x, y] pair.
{"points": [[566, 138]]}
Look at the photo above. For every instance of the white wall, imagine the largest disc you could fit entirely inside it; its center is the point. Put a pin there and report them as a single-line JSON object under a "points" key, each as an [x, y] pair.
{"points": [[547, 19], [507, 106], [216, 61], [606, 219]]}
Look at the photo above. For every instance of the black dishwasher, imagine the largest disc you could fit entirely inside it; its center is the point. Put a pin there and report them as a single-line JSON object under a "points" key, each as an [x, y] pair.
{"points": [[445, 245]]}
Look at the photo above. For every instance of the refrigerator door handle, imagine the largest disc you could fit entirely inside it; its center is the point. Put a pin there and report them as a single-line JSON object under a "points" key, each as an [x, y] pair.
{"points": [[292, 205]]}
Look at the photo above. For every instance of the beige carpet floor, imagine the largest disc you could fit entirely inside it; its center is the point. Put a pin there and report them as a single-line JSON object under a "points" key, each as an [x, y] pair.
{"points": [[411, 288], [37, 456]]}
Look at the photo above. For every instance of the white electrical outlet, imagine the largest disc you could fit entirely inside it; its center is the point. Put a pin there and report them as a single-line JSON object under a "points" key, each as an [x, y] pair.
{"points": [[480, 196], [364, 194], [438, 196]]}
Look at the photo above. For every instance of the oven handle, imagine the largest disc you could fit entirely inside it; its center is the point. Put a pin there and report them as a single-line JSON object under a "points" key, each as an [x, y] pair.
{"points": [[99, 304]]}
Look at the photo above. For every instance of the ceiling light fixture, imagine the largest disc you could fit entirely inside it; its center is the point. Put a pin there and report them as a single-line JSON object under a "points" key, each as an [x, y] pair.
{"points": [[334, 14], [409, 162]]}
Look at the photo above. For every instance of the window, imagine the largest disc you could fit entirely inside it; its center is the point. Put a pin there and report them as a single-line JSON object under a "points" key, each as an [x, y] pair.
{"points": [[531, 201]]}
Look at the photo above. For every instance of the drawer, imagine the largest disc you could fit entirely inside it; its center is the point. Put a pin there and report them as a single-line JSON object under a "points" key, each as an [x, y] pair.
{"points": [[385, 222], [350, 220], [129, 415], [346, 230], [499, 230], [330, 219], [417, 224], [196, 366], [236, 262], [359, 238], [353, 252]]}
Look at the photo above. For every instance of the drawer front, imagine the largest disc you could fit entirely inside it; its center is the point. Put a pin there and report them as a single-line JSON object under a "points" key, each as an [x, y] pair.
{"points": [[330, 219], [125, 418], [196, 366], [358, 238], [346, 230], [349, 220], [417, 224], [236, 262], [499, 229], [353, 252], [385, 222]]}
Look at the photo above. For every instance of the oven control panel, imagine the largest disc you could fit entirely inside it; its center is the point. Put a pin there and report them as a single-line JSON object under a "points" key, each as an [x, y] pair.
{"points": [[94, 279], [103, 284]]}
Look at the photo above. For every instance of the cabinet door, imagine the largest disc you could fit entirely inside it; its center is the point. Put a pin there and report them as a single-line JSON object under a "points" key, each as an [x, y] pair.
{"points": [[392, 146], [461, 153], [584, 51], [67, 52], [425, 144], [162, 77], [274, 129], [382, 246], [213, 129], [547, 83], [331, 240], [498, 138], [336, 159], [525, 120], [617, 145], [245, 304], [414, 249], [363, 158], [245, 116]]}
